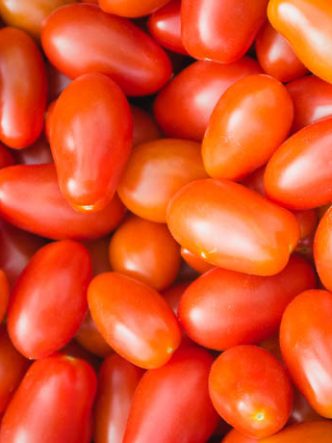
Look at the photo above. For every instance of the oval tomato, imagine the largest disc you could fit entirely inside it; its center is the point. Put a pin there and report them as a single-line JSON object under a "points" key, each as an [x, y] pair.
{"points": [[131, 8], [317, 431], [195, 261], [323, 249], [236, 437]]}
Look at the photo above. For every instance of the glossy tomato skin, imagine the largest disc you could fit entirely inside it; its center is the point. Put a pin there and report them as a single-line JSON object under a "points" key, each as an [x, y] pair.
{"points": [[131, 8], [304, 23], [134, 319], [31, 199], [108, 44], [223, 308], [194, 261], [155, 172], [175, 411], [323, 249], [316, 431], [23, 88], [145, 128], [232, 227], [251, 391], [91, 127], [117, 382], [298, 175], [236, 437], [50, 386], [193, 93], [250, 121], [146, 251], [4, 294], [91, 340]]}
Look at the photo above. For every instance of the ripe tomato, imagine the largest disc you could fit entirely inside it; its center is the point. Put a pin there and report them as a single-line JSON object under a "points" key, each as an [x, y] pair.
{"points": [[131, 8], [4, 294], [172, 402], [311, 432], [107, 44], [91, 108], [232, 227], [236, 437], [52, 404], [323, 249], [195, 261], [145, 128], [134, 319], [249, 122], [90, 339], [251, 391]]}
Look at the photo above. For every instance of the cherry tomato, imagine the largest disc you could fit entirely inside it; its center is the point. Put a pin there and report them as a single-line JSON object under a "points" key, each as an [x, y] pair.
{"points": [[305, 335], [4, 294], [306, 25], [107, 44], [117, 383], [166, 406], [251, 390], [222, 308], [323, 249], [236, 437], [131, 8], [52, 404], [92, 108], [155, 171], [195, 261], [134, 319], [90, 339], [249, 122], [183, 108], [173, 295], [36, 154], [146, 251], [232, 227], [23, 89], [311, 432], [145, 128], [30, 199]]}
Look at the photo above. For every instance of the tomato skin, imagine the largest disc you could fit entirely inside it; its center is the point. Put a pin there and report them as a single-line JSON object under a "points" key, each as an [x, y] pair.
{"points": [[4, 294], [193, 94], [323, 249], [236, 437], [139, 67], [70, 385], [298, 174], [131, 8], [117, 382], [145, 128], [165, 406], [254, 305], [195, 261], [155, 172], [133, 319], [304, 23], [91, 108], [249, 122], [45, 212], [91, 340], [23, 88], [243, 231], [251, 391], [316, 431]]}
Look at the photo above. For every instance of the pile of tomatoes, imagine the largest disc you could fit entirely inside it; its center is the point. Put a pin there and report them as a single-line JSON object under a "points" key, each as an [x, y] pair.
{"points": [[165, 228]]}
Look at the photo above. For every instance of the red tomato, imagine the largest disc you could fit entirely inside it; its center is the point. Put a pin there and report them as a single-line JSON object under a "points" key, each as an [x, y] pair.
{"points": [[30, 199], [117, 383], [232, 227], [250, 389], [90, 339], [276, 56], [155, 172], [146, 251], [134, 319], [107, 44], [222, 308], [52, 404], [222, 31], [249, 122], [145, 128], [173, 403], [36, 154], [299, 175], [4, 294], [305, 336], [311, 432], [195, 261], [91, 126], [323, 249], [23, 89], [236, 437], [183, 108], [131, 8], [306, 24], [173, 295]]}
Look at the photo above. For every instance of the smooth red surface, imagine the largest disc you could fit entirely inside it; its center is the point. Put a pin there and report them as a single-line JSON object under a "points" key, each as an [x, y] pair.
{"points": [[317, 431], [323, 249], [195, 261], [131, 8]]}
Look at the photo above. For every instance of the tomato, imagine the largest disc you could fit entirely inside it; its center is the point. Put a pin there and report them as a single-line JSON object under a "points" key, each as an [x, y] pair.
{"points": [[276, 56], [23, 89], [312, 107], [165, 26], [131, 8], [145, 128], [223, 308], [91, 108], [166, 406], [183, 108], [251, 390], [249, 122], [30, 199], [298, 175], [173, 295], [6, 157], [146, 251], [107, 44], [117, 383], [232, 227], [305, 334], [306, 24], [236, 437], [155, 171], [323, 249], [53, 403], [4, 294], [90, 339], [134, 319], [311, 432], [195, 261], [36, 154]]}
